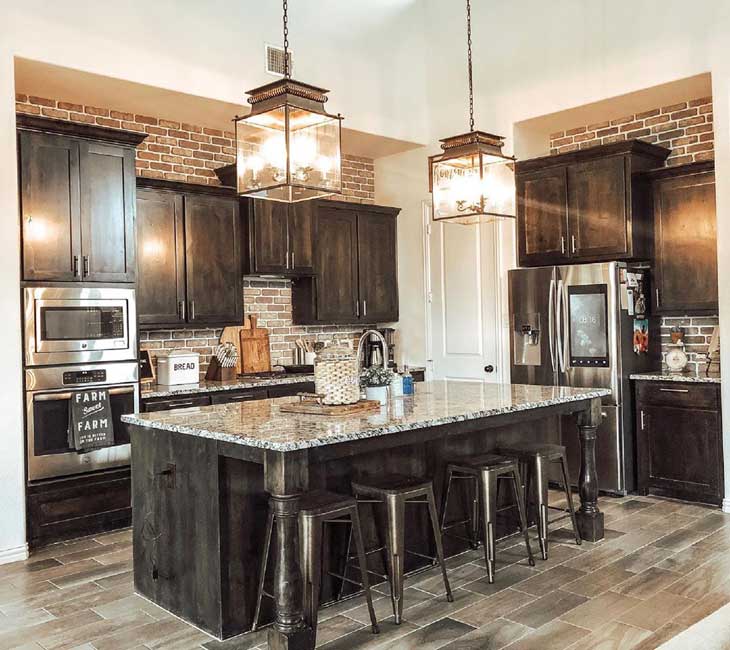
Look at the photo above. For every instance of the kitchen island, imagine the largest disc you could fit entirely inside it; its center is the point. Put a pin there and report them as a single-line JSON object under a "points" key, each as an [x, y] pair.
{"points": [[203, 479]]}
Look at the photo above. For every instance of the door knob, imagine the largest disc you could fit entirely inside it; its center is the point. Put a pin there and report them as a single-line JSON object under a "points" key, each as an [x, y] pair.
{"points": [[488, 368]]}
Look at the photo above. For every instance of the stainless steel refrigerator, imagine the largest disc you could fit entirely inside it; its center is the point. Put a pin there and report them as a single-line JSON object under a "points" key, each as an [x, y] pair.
{"points": [[574, 326]]}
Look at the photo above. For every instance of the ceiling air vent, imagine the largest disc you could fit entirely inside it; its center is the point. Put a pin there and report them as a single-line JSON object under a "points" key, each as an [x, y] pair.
{"points": [[275, 60]]}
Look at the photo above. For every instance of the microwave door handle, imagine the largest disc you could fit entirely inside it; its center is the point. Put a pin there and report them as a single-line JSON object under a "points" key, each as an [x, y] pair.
{"points": [[551, 318]]}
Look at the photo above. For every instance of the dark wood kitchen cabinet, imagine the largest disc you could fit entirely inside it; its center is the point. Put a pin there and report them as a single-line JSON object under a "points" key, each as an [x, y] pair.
{"points": [[77, 193], [685, 235], [278, 238], [189, 260], [586, 206], [355, 266], [679, 440]]}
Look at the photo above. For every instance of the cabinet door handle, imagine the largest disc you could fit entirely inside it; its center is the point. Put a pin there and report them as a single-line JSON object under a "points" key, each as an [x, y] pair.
{"points": [[674, 390], [642, 420], [291, 257], [240, 398], [562, 244], [658, 298], [357, 308], [179, 404], [181, 309], [86, 265], [364, 307], [572, 244], [192, 310], [76, 266]]}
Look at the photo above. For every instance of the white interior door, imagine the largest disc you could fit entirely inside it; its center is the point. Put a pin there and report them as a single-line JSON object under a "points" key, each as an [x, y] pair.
{"points": [[464, 300]]}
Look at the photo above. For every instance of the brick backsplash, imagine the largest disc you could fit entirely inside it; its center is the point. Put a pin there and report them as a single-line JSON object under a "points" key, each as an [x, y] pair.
{"points": [[686, 128], [178, 151], [271, 301], [697, 335]]}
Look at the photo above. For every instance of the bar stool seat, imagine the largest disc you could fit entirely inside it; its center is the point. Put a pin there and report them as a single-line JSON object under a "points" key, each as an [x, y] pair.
{"points": [[395, 491], [486, 470], [534, 456], [317, 508]]}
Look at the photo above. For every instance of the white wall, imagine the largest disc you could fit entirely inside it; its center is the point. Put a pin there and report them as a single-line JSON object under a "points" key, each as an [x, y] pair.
{"points": [[367, 54]]}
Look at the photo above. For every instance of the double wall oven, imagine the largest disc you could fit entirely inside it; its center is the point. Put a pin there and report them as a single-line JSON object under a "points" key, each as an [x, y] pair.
{"points": [[77, 338]]}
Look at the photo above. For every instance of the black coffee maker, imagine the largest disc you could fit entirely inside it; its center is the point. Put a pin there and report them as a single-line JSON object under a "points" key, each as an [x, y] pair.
{"points": [[373, 349]]}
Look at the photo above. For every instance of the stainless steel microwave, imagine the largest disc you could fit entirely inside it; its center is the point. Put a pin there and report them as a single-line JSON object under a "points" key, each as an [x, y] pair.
{"points": [[79, 325]]}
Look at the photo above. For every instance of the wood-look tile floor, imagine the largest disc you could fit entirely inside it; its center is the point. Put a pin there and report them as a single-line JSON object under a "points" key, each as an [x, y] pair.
{"points": [[662, 571]]}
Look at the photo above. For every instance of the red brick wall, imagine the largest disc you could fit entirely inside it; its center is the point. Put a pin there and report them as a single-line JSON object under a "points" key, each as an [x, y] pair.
{"points": [[686, 128], [178, 151]]}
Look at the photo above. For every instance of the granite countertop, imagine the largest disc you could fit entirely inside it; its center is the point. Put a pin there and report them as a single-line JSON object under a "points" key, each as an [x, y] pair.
{"points": [[262, 424], [682, 377], [162, 390]]}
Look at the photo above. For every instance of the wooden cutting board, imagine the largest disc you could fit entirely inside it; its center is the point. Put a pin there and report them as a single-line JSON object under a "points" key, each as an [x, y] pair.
{"points": [[255, 349], [312, 408], [233, 335]]}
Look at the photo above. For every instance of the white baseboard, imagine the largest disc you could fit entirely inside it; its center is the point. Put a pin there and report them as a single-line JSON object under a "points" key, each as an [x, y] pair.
{"points": [[14, 554], [726, 505]]}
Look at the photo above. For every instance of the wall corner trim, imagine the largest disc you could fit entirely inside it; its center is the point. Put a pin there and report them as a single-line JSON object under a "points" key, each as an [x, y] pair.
{"points": [[14, 554], [726, 505]]}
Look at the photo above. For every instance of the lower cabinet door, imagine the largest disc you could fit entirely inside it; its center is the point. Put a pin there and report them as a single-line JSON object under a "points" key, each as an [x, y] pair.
{"points": [[680, 452]]}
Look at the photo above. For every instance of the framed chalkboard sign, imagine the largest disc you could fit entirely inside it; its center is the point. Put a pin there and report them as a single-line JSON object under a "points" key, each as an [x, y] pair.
{"points": [[146, 369]]}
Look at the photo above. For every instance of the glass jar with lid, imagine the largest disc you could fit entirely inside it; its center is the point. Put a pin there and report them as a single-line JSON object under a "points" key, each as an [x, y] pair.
{"points": [[336, 375]]}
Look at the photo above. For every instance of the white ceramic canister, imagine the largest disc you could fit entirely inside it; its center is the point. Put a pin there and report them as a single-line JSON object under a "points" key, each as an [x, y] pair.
{"points": [[336, 375]]}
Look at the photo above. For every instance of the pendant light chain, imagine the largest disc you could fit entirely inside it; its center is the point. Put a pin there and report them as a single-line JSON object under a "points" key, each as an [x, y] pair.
{"points": [[471, 82], [287, 73]]}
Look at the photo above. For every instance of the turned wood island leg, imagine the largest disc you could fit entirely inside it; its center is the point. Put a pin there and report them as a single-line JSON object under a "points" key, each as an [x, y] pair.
{"points": [[286, 476], [589, 517]]}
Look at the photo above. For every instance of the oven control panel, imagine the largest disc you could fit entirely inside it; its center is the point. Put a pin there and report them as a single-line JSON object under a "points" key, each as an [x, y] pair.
{"points": [[84, 377]]}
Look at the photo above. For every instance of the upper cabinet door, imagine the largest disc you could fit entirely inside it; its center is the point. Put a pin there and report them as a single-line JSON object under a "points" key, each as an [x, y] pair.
{"points": [[161, 258], [685, 244], [270, 232], [598, 208], [378, 258], [107, 212], [336, 263], [49, 194], [542, 217], [213, 260], [301, 248]]}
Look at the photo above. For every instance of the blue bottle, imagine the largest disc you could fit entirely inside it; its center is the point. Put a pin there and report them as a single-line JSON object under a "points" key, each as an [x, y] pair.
{"points": [[408, 388]]}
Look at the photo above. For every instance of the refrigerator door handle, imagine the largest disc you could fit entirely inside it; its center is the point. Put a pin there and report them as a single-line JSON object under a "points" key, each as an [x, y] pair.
{"points": [[551, 318], [559, 326]]}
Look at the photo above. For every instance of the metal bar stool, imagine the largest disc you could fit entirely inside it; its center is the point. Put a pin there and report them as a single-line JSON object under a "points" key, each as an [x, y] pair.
{"points": [[485, 471], [317, 509], [536, 456], [395, 492]]}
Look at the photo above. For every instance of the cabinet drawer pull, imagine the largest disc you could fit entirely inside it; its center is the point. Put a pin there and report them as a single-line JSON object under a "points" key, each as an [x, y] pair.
{"points": [[642, 421], [182, 403], [240, 397], [674, 390]]}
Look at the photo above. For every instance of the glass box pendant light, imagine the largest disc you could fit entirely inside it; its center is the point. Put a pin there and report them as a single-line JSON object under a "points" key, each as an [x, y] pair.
{"points": [[472, 180], [288, 146]]}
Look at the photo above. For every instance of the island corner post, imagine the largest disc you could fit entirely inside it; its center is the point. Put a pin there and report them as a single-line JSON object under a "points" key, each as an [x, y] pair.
{"points": [[200, 503], [287, 476]]}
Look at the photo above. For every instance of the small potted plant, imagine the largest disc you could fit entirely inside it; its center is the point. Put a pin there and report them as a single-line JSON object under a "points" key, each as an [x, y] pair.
{"points": [[376, 380]]}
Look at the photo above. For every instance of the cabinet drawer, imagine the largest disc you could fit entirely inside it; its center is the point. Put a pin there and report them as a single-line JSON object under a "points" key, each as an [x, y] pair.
{"points": [[291, 389], [230, 397], [698, 396], [180, 403]]}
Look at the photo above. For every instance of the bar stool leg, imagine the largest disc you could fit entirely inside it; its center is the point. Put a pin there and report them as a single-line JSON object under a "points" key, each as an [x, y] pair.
{"points": [[439, 541], [396, 550], [347, 562], [356, 531], [262, 568], [488, 481], [569, 497], [311, 545], [521, 507], [542, 505], [474, 522], [445, 502]]}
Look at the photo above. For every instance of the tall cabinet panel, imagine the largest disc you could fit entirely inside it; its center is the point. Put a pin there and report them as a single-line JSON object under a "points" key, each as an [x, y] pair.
{"points": [[213, 270], [107, 212], [378, 273], [49, 195], [269, 236], [161, 240]]}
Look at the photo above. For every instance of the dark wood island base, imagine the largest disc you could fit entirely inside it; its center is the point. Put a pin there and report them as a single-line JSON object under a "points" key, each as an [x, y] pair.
{"points": [[201, 487]]}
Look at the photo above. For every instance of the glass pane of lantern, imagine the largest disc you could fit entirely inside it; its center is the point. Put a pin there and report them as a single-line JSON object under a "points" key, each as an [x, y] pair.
{"points": [[261, 156], [456, 187], [315, 154], [498, 186]]}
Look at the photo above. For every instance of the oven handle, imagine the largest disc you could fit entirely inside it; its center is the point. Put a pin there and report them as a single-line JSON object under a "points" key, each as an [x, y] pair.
{"points": [[52, 397]]}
